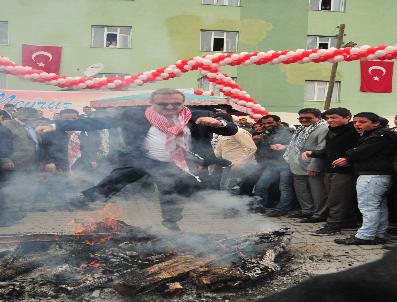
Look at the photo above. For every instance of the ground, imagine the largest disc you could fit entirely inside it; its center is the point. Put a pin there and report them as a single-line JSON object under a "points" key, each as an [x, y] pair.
{"points": [[310, 255]]}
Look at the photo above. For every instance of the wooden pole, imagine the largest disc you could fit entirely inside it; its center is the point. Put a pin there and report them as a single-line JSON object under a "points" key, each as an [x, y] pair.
{"points": [[331, 84]]}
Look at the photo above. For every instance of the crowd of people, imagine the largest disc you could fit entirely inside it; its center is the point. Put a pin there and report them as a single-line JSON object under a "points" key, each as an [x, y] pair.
{"points": [[333, 167]]}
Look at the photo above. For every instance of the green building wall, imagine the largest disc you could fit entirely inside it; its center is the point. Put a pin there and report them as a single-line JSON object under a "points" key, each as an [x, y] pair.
{"points": [[164, 31]]}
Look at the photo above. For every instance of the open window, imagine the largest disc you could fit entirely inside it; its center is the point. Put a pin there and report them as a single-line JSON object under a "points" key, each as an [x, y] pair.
{"points": [[327, 5], [222, 2], [316, 91], [3, 33], [111, 36], [223, 41], [320, 42], [205, 85]]}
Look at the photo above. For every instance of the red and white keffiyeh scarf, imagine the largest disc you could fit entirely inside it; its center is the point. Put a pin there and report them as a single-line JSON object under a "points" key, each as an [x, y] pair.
{"points": [[176, 141]]}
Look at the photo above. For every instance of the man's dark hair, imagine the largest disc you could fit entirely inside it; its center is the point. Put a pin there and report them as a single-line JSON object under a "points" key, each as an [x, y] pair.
{"points": [[276, 118], [373, 117], [384, 122], [4, 115], [165, 91], [316, 112], [225, 116], [343, 112], [68, 111]]}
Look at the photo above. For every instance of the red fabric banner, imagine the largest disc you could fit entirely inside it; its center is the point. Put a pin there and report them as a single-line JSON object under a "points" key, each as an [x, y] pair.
{"points": [[376, 76], [46, 58]]}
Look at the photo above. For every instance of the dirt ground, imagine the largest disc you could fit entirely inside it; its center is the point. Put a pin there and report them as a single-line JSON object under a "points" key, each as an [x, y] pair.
{"points": [[308, 255]]}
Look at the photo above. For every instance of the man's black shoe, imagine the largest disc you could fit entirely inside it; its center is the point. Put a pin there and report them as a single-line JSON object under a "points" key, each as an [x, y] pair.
{"points": [[171, 225], [355, 241], [313, 220], [380, 240], [275, 213], [299, 215], [329, 229]]}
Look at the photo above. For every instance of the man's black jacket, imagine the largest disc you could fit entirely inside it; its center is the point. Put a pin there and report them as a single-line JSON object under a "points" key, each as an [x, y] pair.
{"points": [[374, 153], [337, 142], [134, 127], [6, 142]]}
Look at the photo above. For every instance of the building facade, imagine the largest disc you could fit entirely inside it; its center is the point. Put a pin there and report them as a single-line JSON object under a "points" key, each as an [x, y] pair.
{"points": [[130, 36]]}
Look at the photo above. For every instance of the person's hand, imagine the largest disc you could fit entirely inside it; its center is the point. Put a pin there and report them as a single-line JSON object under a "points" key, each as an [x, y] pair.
{"points": [[278, 147], [209, 121], [311, 173], [340, 162], [44, 129], [8, 164], [51, 167], [306, 155]]}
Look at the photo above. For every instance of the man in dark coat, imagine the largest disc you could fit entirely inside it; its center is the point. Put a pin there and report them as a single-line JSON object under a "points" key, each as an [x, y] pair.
{"points": [[165, 141], [339, 181], [370, 282]]}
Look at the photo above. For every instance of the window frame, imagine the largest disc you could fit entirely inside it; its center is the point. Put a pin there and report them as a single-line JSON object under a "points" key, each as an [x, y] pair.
{"points": [[3, 79], [224, 40], [202, 80], [341, 8], [337, 89], [8, 34], [106, 32], [318, 41], [225, 3]]}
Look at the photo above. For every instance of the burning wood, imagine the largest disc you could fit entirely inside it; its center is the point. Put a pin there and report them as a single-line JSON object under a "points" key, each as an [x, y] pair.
{"points": [[133, 262]]}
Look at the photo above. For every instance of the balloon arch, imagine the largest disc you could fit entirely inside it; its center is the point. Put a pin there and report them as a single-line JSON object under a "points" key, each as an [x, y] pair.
{"points": [[209, 66]]}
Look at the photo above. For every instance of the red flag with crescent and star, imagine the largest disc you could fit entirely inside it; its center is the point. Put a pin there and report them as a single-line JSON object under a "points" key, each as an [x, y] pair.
{"points": [[376, 76], [46, 58]]}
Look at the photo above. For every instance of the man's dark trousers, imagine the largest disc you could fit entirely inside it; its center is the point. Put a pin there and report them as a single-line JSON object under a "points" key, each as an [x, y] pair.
{"points": [[173, 185]]}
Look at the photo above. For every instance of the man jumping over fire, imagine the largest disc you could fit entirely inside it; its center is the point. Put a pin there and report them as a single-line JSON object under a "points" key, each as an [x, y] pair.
{"points": [[165, 141]]}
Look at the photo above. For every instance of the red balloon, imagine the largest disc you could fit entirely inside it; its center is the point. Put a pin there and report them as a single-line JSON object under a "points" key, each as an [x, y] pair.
{"points": [[198, 92]]}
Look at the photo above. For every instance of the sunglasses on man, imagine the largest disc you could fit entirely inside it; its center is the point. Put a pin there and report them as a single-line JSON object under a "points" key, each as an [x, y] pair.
{"points": [[164, 105]]}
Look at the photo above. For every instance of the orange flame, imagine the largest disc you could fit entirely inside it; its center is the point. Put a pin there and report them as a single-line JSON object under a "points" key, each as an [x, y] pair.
{"points": [[101, 221], [94, 264]]}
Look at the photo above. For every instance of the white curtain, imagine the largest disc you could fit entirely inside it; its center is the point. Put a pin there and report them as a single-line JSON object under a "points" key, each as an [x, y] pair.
{"points": [[231, 41], [314, 4], [338, 5], [98, 37], [206, 37], [4, 33], [309, 91], [311, 42]]}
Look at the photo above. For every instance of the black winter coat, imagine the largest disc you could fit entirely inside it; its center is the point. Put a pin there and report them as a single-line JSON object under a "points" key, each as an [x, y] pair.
{"points": [[337, 142], [374, 153], [135, 127]]}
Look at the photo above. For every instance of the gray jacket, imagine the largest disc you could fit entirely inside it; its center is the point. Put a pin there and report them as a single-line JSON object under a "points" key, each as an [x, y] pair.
{"points": [[315, 141], [24, 155]]}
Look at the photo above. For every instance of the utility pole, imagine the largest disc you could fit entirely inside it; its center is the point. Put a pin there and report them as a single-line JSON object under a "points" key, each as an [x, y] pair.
{"points": [[331, 83]]}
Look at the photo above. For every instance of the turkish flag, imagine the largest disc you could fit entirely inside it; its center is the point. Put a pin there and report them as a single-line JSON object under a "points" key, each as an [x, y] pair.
{"points": [[376, 76], [46, 58]]}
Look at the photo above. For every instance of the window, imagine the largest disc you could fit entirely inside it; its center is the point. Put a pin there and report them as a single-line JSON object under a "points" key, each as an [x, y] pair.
{"points": [[110, 75], [222, 2], [320, 42], [219, 41], [3, 80], [317, 90], [111, 36], [328, 5], [206, 85], [3, 33]]}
